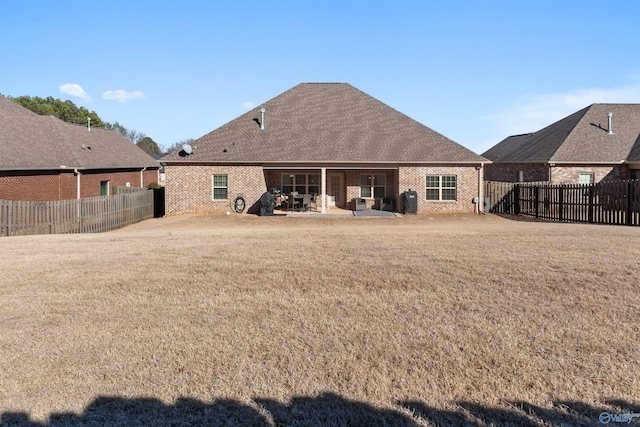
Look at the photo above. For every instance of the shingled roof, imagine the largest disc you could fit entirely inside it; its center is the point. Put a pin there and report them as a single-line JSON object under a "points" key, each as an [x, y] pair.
{"points": [[582, 137], [328, 123], [29, 141]]}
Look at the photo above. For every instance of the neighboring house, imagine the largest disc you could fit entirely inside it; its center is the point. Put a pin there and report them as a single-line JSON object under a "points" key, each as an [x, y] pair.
{"points": [[598, 143], [44, 159], [325, 138], [161, 172]]}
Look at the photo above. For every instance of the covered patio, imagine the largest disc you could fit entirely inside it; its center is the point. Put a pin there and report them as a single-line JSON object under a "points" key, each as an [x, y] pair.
{"points": [[337, 187]]}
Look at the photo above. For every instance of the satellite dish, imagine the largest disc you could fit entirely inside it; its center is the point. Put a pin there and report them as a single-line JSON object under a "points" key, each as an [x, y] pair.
{"points": [[187, 148]]}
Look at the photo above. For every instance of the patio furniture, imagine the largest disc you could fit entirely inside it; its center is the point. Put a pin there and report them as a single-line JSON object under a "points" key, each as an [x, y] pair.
{"points": [[358, 204], [306, 201], [313, 204], [387, 204], [292, 202]]}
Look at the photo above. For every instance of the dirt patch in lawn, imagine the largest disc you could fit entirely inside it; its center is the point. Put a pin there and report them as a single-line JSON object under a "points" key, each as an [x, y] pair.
{"points": [[417, 320]]}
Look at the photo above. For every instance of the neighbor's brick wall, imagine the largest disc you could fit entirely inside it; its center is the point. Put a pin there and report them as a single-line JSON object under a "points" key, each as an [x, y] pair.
{"points": [[49, 186], [468, 177], [570, 174], [510, 172], [90, 181], [37, 186], [189, 188], [560, 174]]}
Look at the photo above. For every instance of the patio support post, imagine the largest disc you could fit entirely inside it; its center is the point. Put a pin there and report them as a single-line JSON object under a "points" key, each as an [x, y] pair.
{"points": [[324, 190]]}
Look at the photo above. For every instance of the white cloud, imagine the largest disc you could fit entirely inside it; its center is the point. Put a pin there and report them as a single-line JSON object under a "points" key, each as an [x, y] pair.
{"points": [[75, 90], [534, 112], [248, 105], [122, 95]]}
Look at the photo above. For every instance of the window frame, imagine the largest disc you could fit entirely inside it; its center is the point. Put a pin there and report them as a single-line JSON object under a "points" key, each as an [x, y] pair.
{"points": [[303, 183], [372, 184], [591, 176], [441, 188], [215, 187], [105, 188]]}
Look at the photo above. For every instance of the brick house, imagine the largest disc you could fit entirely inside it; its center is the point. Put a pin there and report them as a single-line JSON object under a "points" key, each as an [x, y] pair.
{"points": [[598, 143], [325, 138], [44, 159]]}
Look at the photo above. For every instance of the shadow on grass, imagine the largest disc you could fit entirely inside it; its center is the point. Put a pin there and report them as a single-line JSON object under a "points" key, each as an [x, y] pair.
{"points": [[325, 410]]}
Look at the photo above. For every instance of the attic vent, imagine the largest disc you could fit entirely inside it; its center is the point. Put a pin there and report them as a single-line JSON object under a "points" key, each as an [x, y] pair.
{"points": [[609, 116]]}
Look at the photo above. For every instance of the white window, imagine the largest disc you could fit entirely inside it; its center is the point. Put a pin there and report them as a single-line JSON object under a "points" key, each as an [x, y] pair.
{"points": [[219, 184], [301, 182], [586, 178], [372, 186], [441, 187]]}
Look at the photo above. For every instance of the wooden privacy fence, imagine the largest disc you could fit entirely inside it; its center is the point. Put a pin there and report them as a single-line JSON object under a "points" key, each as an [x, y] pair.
{"points": [[90, 215], [616, 203], [500, 197]]}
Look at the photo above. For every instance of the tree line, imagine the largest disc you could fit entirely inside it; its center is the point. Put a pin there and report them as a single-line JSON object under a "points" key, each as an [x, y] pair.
{"points": [[69, 112]]}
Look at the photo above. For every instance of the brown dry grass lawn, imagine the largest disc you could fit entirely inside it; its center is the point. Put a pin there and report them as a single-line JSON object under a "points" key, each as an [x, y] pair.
{"points": [[343, 321]]}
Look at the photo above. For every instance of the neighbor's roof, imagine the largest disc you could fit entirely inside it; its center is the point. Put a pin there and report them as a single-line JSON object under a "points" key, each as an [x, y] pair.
{"points": [[582, 137], [634, 155], [325, 122], [30, 141]]}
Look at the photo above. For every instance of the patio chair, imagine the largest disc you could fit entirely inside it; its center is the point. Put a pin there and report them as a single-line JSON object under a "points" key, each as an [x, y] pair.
{"points": [[292, 202], [313, 204], [306, 201]]}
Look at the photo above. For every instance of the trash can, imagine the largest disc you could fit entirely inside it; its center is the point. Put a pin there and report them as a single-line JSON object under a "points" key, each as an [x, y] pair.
{"points": [[410, 202], [267, 204], [358, 204]]}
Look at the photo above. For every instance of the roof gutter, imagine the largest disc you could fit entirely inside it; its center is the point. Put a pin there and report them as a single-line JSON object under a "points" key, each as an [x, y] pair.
{"points": [[328, 163], [555, 163]]}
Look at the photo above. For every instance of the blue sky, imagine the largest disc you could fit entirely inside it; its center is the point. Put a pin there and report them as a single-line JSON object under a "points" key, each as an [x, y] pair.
{"points": [[475, 71]]}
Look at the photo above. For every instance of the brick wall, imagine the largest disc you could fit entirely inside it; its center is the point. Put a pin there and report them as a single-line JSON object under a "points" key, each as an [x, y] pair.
{"points": [[37, 186], [43, 186], [560, 174], [510, 172], [570, 174], [90, 181], [189, 188], [467, 181]]}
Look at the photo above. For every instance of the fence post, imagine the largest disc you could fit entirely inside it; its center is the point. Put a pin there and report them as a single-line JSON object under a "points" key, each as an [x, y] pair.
{"points": [[629, 204], [516, 199], [560, 202], [590, 213], [79, 213]]}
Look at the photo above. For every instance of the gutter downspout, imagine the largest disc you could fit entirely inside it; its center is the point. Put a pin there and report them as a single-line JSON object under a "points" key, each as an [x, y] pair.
{"points": [[480, 192], [78, 217], [142, 176], [76, 172]]}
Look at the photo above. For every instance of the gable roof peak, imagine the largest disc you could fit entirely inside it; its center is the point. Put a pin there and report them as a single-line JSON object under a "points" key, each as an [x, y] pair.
{"points": [[582, 137], [326, 122]]}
